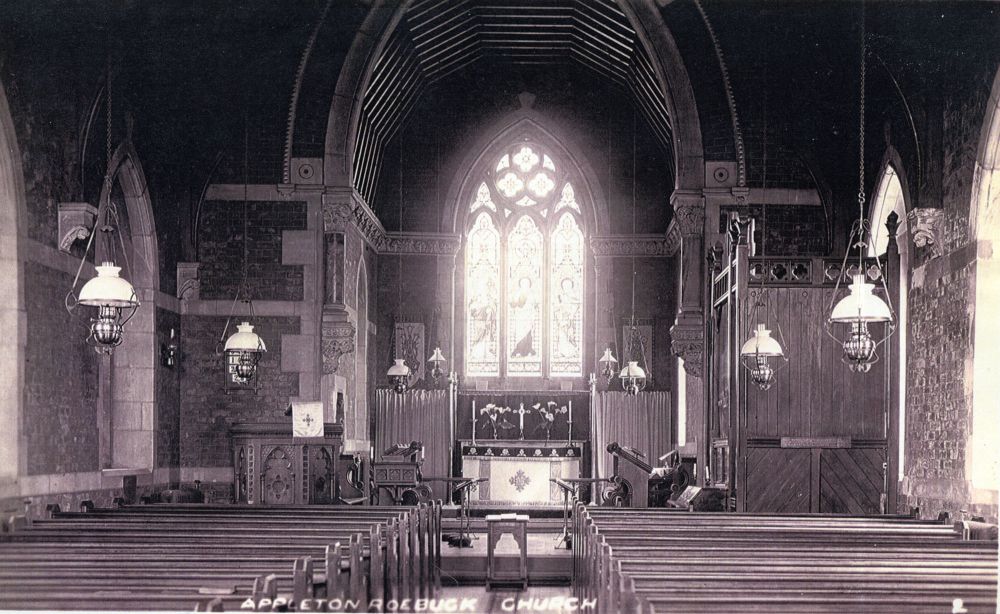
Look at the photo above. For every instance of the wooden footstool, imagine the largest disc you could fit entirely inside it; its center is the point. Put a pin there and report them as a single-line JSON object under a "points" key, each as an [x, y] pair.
{"points": [[497, 525]]}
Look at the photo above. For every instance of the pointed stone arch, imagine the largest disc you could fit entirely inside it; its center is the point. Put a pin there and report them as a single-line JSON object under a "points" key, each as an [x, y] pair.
{"points": [[128, 410], [13, 319]]}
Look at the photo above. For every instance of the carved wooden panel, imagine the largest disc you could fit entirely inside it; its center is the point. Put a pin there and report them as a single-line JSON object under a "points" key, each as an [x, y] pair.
{"points": [[778, 480], [321, 478], [851, 480], [241, 474], [277, 476]]}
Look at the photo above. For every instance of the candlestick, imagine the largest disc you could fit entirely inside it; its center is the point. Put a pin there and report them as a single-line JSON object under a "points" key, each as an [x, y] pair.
{"points": [[569, 430], [473, 422], [520, 418]]}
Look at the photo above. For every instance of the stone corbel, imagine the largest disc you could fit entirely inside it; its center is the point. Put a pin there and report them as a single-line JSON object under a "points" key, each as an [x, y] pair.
{"points": [[188, 281], [76, 222], [338, 338], [687, 341], [925, 225]]}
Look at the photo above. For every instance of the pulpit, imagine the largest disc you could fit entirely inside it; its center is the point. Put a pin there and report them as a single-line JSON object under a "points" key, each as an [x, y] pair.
{"points": [[274, 468]]}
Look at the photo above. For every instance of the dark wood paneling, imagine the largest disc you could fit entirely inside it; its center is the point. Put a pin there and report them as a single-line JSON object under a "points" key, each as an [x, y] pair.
{"points": [[778, 480], [851, 480], [815, 395]]}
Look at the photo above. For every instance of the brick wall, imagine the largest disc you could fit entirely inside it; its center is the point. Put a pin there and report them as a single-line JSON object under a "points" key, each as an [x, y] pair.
{"points": [[60, 377], [791, 230], [221, 249], [207, 411]]}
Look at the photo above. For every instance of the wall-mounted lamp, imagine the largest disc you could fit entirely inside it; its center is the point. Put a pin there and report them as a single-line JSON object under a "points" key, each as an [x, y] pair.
{"points": [[168, 351]]}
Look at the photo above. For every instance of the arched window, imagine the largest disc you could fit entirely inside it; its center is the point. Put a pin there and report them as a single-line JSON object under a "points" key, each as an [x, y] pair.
{"points": [[889, 199], [524, 269]]}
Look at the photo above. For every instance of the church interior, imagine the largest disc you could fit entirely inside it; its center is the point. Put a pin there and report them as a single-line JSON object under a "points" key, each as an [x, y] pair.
{"points": [[500, 305]]}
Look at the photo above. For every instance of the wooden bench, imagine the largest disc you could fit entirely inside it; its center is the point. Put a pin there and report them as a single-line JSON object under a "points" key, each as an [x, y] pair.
{"points": [[660, 561], [172, 556]]}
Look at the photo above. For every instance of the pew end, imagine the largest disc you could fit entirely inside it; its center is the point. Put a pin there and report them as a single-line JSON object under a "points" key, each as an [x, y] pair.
{"points": [[974, 530]]}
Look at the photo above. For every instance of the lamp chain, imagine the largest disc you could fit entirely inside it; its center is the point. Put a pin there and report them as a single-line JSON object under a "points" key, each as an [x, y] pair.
{"points": [[862, 237]]}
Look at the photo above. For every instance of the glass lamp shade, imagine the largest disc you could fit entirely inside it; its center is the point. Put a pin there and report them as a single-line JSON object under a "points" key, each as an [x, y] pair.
{"points": [[761, 344], [246, 346], [861, 305], [245, 340], [108, 289], [399, 375], [633, 377], [756, 355], [437, 360], [608, 361]]}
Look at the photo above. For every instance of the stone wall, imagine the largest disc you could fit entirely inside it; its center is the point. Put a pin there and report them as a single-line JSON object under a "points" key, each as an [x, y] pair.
{"points": [[168, 391]]}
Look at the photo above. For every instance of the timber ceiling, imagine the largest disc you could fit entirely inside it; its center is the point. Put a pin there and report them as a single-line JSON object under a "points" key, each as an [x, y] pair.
{"points": [[438, 38]]}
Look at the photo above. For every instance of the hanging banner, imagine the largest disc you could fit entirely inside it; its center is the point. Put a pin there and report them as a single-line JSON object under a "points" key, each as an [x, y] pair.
{"points": [[410, 347]]}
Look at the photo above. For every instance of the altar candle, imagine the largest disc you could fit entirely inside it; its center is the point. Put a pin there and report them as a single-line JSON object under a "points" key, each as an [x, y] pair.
{"points": [[520, 417], [473, 422], [569, 425]]}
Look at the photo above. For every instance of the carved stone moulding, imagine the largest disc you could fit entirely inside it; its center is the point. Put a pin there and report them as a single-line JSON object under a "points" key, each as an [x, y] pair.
{"points": [[687, 341], [421, 244], [926, 225], [689, 212], [337, 338], [76, 222], [634, 245]]}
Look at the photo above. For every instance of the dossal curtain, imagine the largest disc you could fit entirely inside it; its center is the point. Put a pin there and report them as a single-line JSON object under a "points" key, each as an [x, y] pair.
{"points": [[641, 422], [420, 415]]}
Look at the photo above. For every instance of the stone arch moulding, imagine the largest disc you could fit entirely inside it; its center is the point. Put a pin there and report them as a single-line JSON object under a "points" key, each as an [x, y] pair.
{"points": [[13, 318], [131, 416], [385, 16], [499, 135]]}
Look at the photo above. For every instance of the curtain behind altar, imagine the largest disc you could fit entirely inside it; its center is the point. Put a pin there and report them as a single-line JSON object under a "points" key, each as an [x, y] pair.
{"points": [[420, 415], [641, 422]]}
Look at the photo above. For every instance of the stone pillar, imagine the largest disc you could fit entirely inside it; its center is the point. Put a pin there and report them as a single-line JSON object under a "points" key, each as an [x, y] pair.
{"points": [[687, 335], [338, 335], [688, 332]]}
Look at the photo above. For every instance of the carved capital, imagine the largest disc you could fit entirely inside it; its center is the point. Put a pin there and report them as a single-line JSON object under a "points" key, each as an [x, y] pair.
{"points": [[76, 222], [337, 216], [337, 338], [188, 280], [634, 245], [689, 213], [925, 225], [687, 341]]}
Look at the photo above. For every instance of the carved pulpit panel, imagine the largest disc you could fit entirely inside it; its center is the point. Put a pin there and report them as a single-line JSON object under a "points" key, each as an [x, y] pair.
{"points": [[277, 477]]}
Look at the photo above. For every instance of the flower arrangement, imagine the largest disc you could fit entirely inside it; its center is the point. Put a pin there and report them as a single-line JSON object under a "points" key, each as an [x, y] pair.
{"points": [[548, 413], [494, 418]]}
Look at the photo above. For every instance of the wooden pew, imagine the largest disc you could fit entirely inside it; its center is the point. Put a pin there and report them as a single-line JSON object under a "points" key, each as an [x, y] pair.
{"points": [[654, 560], [84, 559]]}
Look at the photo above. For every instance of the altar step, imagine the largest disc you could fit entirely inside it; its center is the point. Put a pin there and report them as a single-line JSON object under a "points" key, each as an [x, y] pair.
{"points": [[547, 512]]}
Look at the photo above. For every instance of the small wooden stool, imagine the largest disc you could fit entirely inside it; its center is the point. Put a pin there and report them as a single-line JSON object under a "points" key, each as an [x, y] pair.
{"points": [[498, 525]]}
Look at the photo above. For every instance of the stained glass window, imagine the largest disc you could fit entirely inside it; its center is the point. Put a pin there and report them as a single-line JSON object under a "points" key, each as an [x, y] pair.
{"points": [[524, 275], [482, 291], [525, 262], [566, 285]]}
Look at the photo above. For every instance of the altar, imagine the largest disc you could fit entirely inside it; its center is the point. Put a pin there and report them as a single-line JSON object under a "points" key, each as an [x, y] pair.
{"points": [[519, 473]]}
